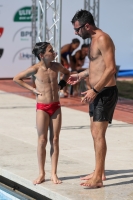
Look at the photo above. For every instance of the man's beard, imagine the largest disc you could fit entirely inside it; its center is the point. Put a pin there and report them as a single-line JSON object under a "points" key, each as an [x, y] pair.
{"points": [[86, 35]]}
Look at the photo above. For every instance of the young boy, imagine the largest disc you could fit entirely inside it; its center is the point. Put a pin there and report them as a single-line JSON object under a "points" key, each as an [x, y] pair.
{"points": [[48, 109]]}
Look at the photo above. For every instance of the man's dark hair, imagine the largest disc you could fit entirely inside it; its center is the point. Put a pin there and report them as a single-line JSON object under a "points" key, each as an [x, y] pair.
{"points": [[75, 40], [83, 16], [40, 47], [85, 45]]}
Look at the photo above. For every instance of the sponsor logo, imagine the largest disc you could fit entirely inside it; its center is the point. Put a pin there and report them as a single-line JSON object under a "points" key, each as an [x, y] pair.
{"points": [[23, 34], [1, 52], [23, 54], [1, 31], [24, 14]]}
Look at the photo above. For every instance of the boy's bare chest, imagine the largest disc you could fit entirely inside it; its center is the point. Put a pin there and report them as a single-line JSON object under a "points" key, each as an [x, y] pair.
{"points": [[46, 76]]}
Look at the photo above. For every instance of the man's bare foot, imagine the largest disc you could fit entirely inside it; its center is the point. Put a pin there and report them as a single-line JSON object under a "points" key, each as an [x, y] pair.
{"points": [[89, 176], [39, 180], [55, 179], [91, 183]]}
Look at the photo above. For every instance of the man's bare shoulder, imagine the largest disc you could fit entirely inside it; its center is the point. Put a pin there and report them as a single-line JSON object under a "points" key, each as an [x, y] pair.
{"points": [[104, 38], [104, 41]]}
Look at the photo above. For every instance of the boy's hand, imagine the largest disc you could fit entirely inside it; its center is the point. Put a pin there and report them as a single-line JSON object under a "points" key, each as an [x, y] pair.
{"points": [[36, 92]]}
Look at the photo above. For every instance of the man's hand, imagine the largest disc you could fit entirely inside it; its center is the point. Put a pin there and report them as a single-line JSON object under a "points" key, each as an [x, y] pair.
{"points": [[36, 92], [90, 95], [73, 79]]}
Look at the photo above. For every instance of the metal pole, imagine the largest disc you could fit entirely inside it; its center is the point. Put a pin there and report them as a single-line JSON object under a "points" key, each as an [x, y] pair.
{"points": [[39, 22], [94, 6], [44, 20], [59, 35], [54, 19], [98, 5], [33, 28]]}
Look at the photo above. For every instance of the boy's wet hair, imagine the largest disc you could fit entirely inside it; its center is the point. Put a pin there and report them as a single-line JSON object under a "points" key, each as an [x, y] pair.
{"points": [[40, 47]]}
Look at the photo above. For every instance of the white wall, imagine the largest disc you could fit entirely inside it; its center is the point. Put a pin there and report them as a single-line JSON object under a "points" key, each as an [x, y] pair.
{"points": [[116, 18], [17, 48], [69, 8]]}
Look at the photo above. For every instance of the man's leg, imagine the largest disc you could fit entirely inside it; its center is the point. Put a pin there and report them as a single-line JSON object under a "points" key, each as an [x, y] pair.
{"points": [[42, 123], [98, 134], [91, 174], [55, 126]]}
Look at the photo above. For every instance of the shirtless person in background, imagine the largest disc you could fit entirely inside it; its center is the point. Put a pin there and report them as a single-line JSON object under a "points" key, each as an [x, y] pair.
{"points": [[103, 93], [66, 54], [48, 109], [78, 59]]}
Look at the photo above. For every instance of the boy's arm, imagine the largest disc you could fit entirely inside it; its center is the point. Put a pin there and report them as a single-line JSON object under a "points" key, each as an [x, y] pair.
{"points": [[25, 74], [66, 73]]}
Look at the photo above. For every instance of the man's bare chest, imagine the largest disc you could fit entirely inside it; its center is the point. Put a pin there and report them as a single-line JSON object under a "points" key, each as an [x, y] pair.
{"points": [[94, 52]]}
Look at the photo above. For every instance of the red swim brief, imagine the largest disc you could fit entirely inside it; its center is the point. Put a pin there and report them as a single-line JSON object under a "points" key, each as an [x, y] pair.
{"points": [[48, 108]]}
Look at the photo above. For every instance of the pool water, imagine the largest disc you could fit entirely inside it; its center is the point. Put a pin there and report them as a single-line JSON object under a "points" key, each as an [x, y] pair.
{"points": [[9, 194], [6, 196]]}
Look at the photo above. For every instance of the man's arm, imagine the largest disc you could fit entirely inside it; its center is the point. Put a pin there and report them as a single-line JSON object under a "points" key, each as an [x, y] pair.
{"points": [[25, 74], [75, 78], [107, 49], [83, 75]]}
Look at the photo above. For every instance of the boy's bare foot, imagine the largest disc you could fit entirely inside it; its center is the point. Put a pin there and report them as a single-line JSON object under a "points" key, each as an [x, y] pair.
{"points": [[39, 180], [89, 176], [92, 183], [55, 179]]}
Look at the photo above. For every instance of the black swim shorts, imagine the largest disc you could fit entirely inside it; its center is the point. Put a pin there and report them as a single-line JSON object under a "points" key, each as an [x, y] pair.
{"points": [[102, 108]]}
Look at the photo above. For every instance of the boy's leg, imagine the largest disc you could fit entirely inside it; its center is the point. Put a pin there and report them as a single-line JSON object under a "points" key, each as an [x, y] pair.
{"points": [[55, 126], [42, 123]]}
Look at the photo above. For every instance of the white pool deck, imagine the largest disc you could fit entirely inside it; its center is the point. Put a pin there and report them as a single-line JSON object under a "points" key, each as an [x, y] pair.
{"points": [[18, 158]]}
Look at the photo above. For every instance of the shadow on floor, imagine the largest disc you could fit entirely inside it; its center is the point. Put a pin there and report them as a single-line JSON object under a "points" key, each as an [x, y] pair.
{"points": [[115, 174], [88, 127]]}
